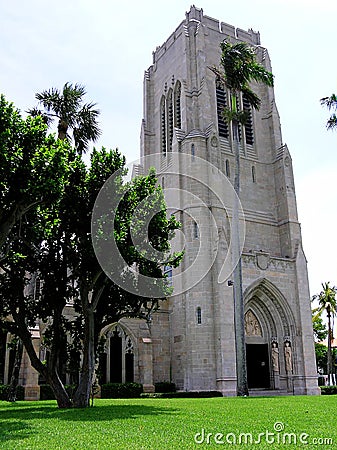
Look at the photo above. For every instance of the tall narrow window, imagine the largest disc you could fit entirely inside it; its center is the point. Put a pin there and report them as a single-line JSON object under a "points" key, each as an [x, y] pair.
{"points": [[195, 230], [170, 120], [249, 123], [198, 315], [221, 103], [227, 168], [163, 125], [177, 105], [253, 174], [193, 150], [168, 273]]}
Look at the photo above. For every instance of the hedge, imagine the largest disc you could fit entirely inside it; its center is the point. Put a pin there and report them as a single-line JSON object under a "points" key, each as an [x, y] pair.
{"points": [[165, 386], [328, 390], [195, 394], [121, 390], [46, 392], [4, 388]]}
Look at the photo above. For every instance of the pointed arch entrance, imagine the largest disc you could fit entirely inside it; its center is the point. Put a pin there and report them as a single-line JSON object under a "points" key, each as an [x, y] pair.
{"points": [[117, 359], [269, 324]]}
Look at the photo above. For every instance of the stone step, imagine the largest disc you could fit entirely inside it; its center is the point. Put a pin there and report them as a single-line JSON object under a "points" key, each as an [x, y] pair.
{"points": [[268, 392]]}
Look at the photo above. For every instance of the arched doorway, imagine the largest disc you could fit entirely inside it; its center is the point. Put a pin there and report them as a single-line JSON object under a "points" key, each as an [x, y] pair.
{"points": [[116, 361], [269, 325]]}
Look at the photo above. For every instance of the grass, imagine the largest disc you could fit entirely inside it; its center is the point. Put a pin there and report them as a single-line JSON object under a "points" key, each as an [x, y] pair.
{"points": [[170, 423]]}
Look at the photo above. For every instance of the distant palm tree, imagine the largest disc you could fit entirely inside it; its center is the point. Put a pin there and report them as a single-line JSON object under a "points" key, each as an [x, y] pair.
{"points": [[327, 303], [67, 106], [330, 103], [238, 67]]}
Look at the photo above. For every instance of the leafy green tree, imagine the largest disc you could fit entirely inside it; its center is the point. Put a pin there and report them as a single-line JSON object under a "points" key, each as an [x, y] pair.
{"points": [[72, 114], [331, 104], [321, 351], [238, 68], [99, 300], [320, 330], [327, 304], [60, 251], [33, 168]]}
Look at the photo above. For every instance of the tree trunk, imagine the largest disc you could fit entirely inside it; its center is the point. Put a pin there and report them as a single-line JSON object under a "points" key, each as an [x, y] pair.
{"points": [[239, 320], [51, 376], [82, 394], [61, 395], [329, 362], [62, 129], [16, 372]]}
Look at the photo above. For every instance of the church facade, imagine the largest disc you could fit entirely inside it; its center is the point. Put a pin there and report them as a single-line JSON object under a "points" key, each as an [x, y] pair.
{"points": [[190, 340]]}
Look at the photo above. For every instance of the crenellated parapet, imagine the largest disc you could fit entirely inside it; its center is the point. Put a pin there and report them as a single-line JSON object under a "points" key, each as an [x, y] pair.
{"points": [[191, 25]]}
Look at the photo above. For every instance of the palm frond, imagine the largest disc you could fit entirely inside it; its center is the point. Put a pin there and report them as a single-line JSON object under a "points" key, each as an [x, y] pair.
{"points": [[332, 122], [252, 98], [35, 112], [329, 102]]}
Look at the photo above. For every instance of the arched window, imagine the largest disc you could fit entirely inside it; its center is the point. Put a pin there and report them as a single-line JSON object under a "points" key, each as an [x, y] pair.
{"points": [[163, 125], [116, 363], [177, 105], [227, 168], [170, 120], [249, 122], [198, 315], [193, 150], [221, 103]]}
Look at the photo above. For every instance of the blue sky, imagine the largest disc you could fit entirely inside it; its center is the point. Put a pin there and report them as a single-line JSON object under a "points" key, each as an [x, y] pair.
{"points": [[107, 45]]}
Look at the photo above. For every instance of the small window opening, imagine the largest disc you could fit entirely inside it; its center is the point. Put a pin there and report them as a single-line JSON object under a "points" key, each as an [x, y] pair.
{"points": [[227, 168], [196, 230], [198, 315], [253, 174]]}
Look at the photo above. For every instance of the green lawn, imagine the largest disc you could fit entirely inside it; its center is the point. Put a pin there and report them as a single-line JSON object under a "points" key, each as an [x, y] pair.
{"points": [[172, 424]]}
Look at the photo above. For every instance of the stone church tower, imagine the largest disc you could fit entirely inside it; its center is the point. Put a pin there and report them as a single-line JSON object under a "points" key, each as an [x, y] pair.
{"points": [[192, 337]]}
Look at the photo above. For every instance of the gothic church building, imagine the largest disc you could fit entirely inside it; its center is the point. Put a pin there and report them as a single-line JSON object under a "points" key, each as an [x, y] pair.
{"points": [[191, 339]]}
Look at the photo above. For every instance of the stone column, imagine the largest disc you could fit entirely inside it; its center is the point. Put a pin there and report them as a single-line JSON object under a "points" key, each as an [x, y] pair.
{"points": [[147, 364]]}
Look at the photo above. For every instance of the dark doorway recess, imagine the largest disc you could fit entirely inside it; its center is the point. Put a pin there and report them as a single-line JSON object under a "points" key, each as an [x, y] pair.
{"points": [[258, 366]]}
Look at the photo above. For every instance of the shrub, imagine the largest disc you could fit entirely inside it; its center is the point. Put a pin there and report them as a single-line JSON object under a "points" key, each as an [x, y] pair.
{"points": [[4, 388], [46, 392], [165, 386], [328, 390], [195, 394], [121, 390]]}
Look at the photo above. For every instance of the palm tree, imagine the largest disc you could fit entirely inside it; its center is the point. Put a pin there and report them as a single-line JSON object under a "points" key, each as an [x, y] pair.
{"points": [[238, 67], [330, 103], [67, 106], [327, 303]]}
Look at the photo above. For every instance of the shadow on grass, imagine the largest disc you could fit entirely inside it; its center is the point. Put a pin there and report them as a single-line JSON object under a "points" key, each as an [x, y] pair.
{"points": [[99, 412], [17, 421], [14, 430]]}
